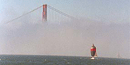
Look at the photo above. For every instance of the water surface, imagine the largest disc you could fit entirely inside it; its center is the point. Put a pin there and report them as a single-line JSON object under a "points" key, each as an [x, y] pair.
{"points": [[59, 60]]}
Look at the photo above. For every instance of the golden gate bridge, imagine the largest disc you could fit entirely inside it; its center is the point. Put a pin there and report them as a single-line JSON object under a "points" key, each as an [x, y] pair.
{"points": [[45, 9]]}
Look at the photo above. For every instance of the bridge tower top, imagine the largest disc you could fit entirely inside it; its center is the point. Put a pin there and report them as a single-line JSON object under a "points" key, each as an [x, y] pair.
{"points": [[44, 13]]}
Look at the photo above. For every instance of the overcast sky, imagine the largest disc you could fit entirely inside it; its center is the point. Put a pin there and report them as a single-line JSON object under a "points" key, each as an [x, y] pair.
{"points": [[103, 23]]}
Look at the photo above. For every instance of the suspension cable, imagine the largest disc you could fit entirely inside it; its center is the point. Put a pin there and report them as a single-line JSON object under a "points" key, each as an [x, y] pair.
{"points": [[61, 12], [25, 14]]}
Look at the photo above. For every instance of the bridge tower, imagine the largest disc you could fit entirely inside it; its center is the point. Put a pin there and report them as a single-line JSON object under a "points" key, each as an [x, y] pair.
{"points": [[44, 13]]}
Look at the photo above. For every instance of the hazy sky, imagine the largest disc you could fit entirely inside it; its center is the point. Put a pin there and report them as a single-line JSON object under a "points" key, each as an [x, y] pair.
{"points": [[104, 23]]}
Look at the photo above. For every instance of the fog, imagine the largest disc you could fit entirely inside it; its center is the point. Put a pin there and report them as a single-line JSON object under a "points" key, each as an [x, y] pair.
{"points": [[72, 38]]}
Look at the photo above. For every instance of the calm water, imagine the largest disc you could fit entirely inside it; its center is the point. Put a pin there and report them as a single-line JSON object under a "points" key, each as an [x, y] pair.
{"points": [[58, 60]]}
